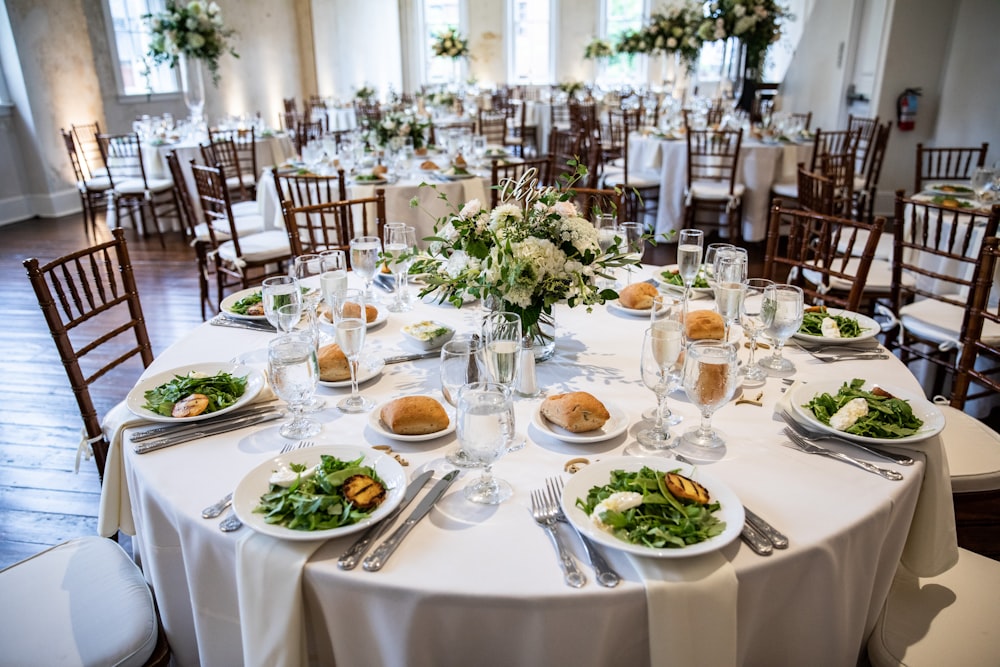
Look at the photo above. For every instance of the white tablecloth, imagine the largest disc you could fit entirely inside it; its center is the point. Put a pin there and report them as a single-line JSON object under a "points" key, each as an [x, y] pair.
{"points": [[483, 581], [760, 166]]}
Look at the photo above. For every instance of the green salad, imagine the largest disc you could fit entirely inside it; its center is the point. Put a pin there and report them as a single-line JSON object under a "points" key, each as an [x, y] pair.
{"points": [[662, 521], [674, 278], [886, 416], [321, 497], [243, 305], [812, 324], [222, 390]]}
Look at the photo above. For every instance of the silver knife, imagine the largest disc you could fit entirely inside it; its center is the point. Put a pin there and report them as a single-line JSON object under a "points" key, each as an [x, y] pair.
{"points": [[208, 429], [377, 559], [172, 429], [351, 557], [760, 544], [223, 321], [766, 529], [412, 357]]}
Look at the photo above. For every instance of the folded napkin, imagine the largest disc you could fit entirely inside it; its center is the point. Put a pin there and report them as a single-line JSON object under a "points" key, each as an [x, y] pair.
{"points": [[691, 608], [115, 511], [269, 588], [932, 543]]}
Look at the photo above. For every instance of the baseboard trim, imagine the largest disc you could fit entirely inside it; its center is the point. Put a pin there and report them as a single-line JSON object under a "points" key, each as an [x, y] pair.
{"points": [[25, 207]]}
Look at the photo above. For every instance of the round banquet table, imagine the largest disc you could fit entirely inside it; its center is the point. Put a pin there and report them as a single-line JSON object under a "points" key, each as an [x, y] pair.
{"points": [[483, 581]]}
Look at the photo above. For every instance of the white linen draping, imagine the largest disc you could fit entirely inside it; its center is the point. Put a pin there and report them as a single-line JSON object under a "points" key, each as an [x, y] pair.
{"points": [[478, 581]]}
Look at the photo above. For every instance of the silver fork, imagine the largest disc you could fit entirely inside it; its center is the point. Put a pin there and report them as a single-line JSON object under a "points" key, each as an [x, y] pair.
{"points": [[812, 436], [606, 576], [305, 443], [546, 518], [810, 448]]}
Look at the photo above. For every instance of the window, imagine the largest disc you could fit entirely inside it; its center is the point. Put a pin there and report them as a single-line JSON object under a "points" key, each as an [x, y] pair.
{"points": [[439, 15], [617, 17], [130, 37], [530, 46]]}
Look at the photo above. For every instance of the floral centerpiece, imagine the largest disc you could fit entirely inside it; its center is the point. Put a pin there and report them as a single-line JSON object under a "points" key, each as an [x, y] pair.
{"points": [[194, 30], [755, 23], [675, 30], [571, 88], [632, 42], [598, 48], [401, 125], [520, 258], [366, 93], [449, 44]]}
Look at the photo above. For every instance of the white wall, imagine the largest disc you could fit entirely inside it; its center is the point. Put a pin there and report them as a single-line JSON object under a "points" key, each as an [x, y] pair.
{"points": [[357, 42]]}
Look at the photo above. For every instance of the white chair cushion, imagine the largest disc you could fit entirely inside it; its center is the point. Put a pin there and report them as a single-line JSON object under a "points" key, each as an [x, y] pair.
{"points": [[83, 602], [939, 321], [949, 619], [98, 184], [715, 190], [137, 187], [246, 225], [859, 183], [262, 247], [244, 208], [973, 451], [201, 233], [789, 190], [247, 180], [883, 250]]}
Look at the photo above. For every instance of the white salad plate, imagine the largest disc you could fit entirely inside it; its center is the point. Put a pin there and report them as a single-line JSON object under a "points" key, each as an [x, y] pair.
{"points": [[599, 474], [369, 366], [137, 397], [381, 315], [617, 307], [257, 482], [869, 329], [616, 425], [664, 284], [923, 409], [950, 189], [375, 422], [227, 305]]}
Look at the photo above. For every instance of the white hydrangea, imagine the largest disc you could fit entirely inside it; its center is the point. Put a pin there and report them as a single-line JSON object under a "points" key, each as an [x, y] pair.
{"points": [[471, 208], [580, 233]]}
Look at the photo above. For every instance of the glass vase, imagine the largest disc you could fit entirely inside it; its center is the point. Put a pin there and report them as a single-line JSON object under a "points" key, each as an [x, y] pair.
{"points": [[193, 84], [543, 336]]}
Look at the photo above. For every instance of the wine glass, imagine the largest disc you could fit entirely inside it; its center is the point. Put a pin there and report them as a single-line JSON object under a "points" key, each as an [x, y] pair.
{"points": [[781, 313], [753, 325], [350, 328], [485, 427], [666, 309], [462, 362], [279, 291], [661, 363], [689, 247], [710, 371], [400, 247], [333, 280], [502, 335], [982, 185], [730, 273], [364, 260], [631, 233], [711, 251], [292, 370]]}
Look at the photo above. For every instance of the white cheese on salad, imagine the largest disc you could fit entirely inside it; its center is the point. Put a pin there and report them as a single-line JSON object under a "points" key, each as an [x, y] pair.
{"points": [[849, 414], [426, 330], [285, 476], [616, 502], [829, 328]]}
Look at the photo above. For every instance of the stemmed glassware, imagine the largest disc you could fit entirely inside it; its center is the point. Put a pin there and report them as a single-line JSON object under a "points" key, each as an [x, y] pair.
{"points": [[753, 325], [502, 335], [661, 364], [689, 247], [279, 291], [982, 184], [667, 314], [400, 247], [292, 370], [485, 427], [350, 328], [606, 224], [711, 252], [462, 362], [333, 280], [730, 273], [631, 234], [364, 260], [710, 371], [781, 313]]}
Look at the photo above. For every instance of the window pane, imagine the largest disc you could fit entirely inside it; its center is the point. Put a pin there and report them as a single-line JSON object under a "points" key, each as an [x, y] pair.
{"points": [[439, 15], [531, 42], [619, 16], [131, 42]]}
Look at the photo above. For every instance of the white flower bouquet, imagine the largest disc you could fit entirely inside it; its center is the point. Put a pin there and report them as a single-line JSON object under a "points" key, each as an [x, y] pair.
{"points": [[450, 44], [195, 30]]}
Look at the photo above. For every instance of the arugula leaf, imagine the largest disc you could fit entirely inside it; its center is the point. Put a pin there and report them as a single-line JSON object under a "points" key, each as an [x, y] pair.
{"points": [[243, 305], [674, 278], [222, 389], [812, 324], [888, 417]]}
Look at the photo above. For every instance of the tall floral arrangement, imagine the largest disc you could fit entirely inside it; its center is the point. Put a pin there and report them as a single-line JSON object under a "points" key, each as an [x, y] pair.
{"points": [[755, 23], [450, 44], [631, 42], [194, 30], [401, 125], [598, 48], [675, 30]]}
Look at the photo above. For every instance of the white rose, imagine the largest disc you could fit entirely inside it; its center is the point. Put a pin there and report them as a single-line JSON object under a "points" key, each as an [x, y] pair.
{"points": [[196, 41], [471, 208], [672, 43]]}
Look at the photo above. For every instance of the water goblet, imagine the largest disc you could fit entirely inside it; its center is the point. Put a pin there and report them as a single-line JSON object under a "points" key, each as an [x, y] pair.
{"points": [[292, 370], [333, 280], [753, 326], [708, 265], [781, 313], [709, 379], [730, 274], [982, 185], [350, 328], [400, 248], [631, 233], [462, 362], [665, 313], [485, 426], [364, 260], [502, 336], [660, 365], [279, 291], [689, 247]]}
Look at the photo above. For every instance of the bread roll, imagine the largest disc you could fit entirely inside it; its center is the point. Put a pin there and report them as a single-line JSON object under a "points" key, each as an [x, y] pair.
{"points": [[333, 364], [704, 325], [429, 165], [638, 296], [414, 415], [577, 412], [353, 310]]}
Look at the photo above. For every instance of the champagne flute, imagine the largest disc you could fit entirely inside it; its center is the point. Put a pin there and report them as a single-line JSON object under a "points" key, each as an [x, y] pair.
{"points": [[689, 248], [781, 313], [292, 370], [502, 334], [364, 260], [333, 280], [400, 246], [660, 365], [709, 378], [666, 311], [753, 326], [350, 328], [631, 233], [730, 274], [462, 362], [279, 291], [485, 427]]}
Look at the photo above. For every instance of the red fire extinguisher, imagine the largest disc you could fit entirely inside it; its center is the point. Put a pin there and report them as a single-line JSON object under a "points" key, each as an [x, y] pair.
{"points": [[906, 109]]}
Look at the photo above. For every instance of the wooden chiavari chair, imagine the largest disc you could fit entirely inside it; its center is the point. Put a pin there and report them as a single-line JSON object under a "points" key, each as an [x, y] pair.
{"points": [[955, 164], [333, 224], [713, 156]]}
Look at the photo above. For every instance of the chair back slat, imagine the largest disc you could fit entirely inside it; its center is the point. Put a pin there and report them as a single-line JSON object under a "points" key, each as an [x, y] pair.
{"points": [[815, 191], [92, 160], [332, 225], [713, 155], [979, 364], [957, 163]]}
